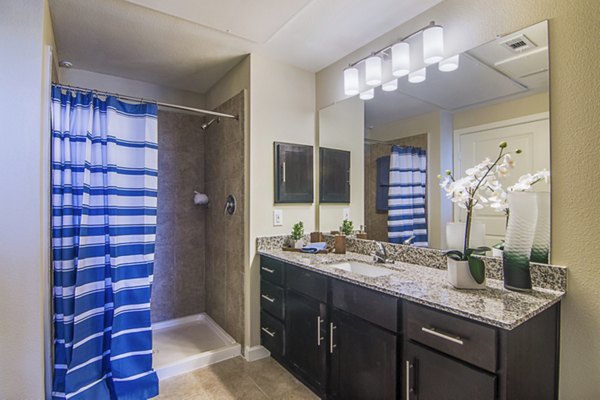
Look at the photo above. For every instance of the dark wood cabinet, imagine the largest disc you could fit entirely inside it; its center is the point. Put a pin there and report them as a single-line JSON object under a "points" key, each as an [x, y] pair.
{"points": [[429, 375], [346, 341], [363, 359], [293, 173], [334, 176], [305, 325]]}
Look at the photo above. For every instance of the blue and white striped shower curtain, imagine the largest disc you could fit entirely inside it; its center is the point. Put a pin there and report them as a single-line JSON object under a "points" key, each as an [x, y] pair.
{"points": [[406, 195], [104, 191]]}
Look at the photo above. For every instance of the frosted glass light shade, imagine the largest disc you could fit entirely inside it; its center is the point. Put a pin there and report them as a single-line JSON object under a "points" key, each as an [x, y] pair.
{"points": [[418, 76], [373, 71], [400, 59], [367, 94], [390, 86], [351, 81], [449, 64], [433, 44]]}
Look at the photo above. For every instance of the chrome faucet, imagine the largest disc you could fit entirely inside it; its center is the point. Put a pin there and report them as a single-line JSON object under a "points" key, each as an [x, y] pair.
{"points": [[410, 240], [380, 254]]}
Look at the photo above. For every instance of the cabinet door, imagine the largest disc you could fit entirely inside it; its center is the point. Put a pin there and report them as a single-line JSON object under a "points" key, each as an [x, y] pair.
{"points": [[305, 338], [363, 359], [334, 176], [293, 173], [429, 375]]}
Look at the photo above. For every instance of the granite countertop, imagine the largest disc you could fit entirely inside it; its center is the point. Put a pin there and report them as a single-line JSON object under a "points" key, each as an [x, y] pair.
{"points": [[424, 285]]}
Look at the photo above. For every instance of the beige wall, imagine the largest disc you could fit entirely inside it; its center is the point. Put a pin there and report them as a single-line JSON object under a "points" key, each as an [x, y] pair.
{"points": [[282, 101], [521, 107], [341, 126], [24, 233], [130, 87], [574, 87]]}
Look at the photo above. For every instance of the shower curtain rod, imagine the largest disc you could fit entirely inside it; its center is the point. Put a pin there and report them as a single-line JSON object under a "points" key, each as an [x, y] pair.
{"points": [[159, 103]]}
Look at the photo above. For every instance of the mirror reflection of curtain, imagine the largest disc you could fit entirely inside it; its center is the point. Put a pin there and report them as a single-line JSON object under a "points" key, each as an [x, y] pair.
{"points": [[406, 196]]}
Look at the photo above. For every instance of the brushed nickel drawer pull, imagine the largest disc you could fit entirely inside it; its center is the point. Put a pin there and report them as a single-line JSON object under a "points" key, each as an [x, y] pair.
{"points": [[450, 338], [269, 299], [267, 269], [407, 384], [319, 337], [268, 332], [331, 345]]}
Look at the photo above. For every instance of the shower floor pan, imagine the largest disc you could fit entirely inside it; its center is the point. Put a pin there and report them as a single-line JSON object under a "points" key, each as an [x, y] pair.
{"points": [[186, 344]]}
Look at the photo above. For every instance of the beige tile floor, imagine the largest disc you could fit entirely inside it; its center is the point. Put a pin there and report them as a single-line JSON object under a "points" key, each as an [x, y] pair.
{"points": [[236, 379]]}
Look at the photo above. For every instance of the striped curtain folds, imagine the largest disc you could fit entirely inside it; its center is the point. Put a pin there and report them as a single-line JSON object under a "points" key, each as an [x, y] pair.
{"points": [[406, 195], [104, 186]]}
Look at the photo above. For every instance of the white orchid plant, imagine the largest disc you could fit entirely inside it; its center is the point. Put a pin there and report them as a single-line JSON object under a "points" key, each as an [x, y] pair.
{"points": [[478, 188], [499, 201]]}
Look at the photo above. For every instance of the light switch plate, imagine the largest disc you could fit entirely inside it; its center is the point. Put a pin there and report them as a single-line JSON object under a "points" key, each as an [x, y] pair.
{"points": [[277, 217], [346, 213]]}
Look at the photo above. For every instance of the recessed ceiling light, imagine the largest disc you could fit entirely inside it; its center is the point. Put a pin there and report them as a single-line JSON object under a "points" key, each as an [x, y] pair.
{"points": [[65, 64]]}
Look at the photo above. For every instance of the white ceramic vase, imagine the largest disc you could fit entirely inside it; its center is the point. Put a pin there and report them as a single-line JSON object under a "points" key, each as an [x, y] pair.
{"points": [[459, 275], [298, 244]]}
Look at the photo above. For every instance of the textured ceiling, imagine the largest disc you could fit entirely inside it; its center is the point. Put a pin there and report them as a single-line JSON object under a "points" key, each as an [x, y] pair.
{"points": [[190, 44]]}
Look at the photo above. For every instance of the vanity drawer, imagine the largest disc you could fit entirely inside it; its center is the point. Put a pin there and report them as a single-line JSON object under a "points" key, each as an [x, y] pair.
{"points": [[455, 336], [271, 299], [272, 270], [271, 334], [307, 282], [378, 308]]}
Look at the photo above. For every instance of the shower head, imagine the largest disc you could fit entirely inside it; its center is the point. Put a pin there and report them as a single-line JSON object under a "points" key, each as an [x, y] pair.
{"points": [[205, 125]]}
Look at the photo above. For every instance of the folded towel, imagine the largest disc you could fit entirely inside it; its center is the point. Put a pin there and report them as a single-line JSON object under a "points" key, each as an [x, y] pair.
{"points": [[314, 247]]}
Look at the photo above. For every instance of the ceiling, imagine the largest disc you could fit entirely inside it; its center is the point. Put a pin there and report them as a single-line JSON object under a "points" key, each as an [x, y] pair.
{"points": [[190, 45], [486, 74]]}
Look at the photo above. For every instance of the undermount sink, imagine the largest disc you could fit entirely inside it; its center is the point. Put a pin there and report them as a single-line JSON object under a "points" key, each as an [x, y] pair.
{"points": [[361, 268]]}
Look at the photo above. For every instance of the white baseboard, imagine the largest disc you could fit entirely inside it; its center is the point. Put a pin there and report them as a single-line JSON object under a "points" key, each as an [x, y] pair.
{"points": [[256, 353]]}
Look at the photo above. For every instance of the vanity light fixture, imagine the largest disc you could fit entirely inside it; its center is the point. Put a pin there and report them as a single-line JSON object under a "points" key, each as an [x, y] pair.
{"points": [[433, 44], [418, 76], [373, 71], [351, 81], [400, 59], [367, 94], [449, 64], [390, 86], [399, 52]]}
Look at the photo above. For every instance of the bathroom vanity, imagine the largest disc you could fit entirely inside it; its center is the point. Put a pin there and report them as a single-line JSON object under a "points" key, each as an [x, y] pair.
{"points": [[405, 333]]}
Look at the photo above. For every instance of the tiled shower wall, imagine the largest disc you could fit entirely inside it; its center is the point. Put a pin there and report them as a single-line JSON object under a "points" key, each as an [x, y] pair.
{"points": [[179, 268], [376, 221], [224, 174]]}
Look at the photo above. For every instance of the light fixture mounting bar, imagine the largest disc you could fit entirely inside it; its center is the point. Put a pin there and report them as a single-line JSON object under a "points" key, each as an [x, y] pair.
{"points": [[389, 46]]}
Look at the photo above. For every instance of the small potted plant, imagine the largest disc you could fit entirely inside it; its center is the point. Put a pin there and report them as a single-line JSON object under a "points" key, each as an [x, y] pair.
{"points": [[297, 235], [471, 193], [347, 227]]}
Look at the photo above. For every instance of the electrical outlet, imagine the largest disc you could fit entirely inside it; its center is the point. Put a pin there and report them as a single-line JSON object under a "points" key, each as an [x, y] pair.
{"points": [[346, 213], [277, 217]]}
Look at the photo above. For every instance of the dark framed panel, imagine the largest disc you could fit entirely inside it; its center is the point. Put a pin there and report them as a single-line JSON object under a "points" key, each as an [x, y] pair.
{"points": [[293, 173], [334, 176]]}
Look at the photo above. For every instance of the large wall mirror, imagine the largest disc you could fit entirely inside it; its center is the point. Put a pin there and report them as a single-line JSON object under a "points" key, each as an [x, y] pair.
{"points": [[451, 121]]}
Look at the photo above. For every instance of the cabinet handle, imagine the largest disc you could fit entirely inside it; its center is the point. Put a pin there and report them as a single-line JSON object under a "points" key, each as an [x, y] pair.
{"points": [[269, 299], [283, 172], [268, 332], [446, 336], [319, 337], [331, 345], [267, 269], [409, 389]]}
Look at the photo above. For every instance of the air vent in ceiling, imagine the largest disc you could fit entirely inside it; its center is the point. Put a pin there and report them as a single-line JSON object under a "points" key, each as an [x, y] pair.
{"points": [[518, 44]]}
